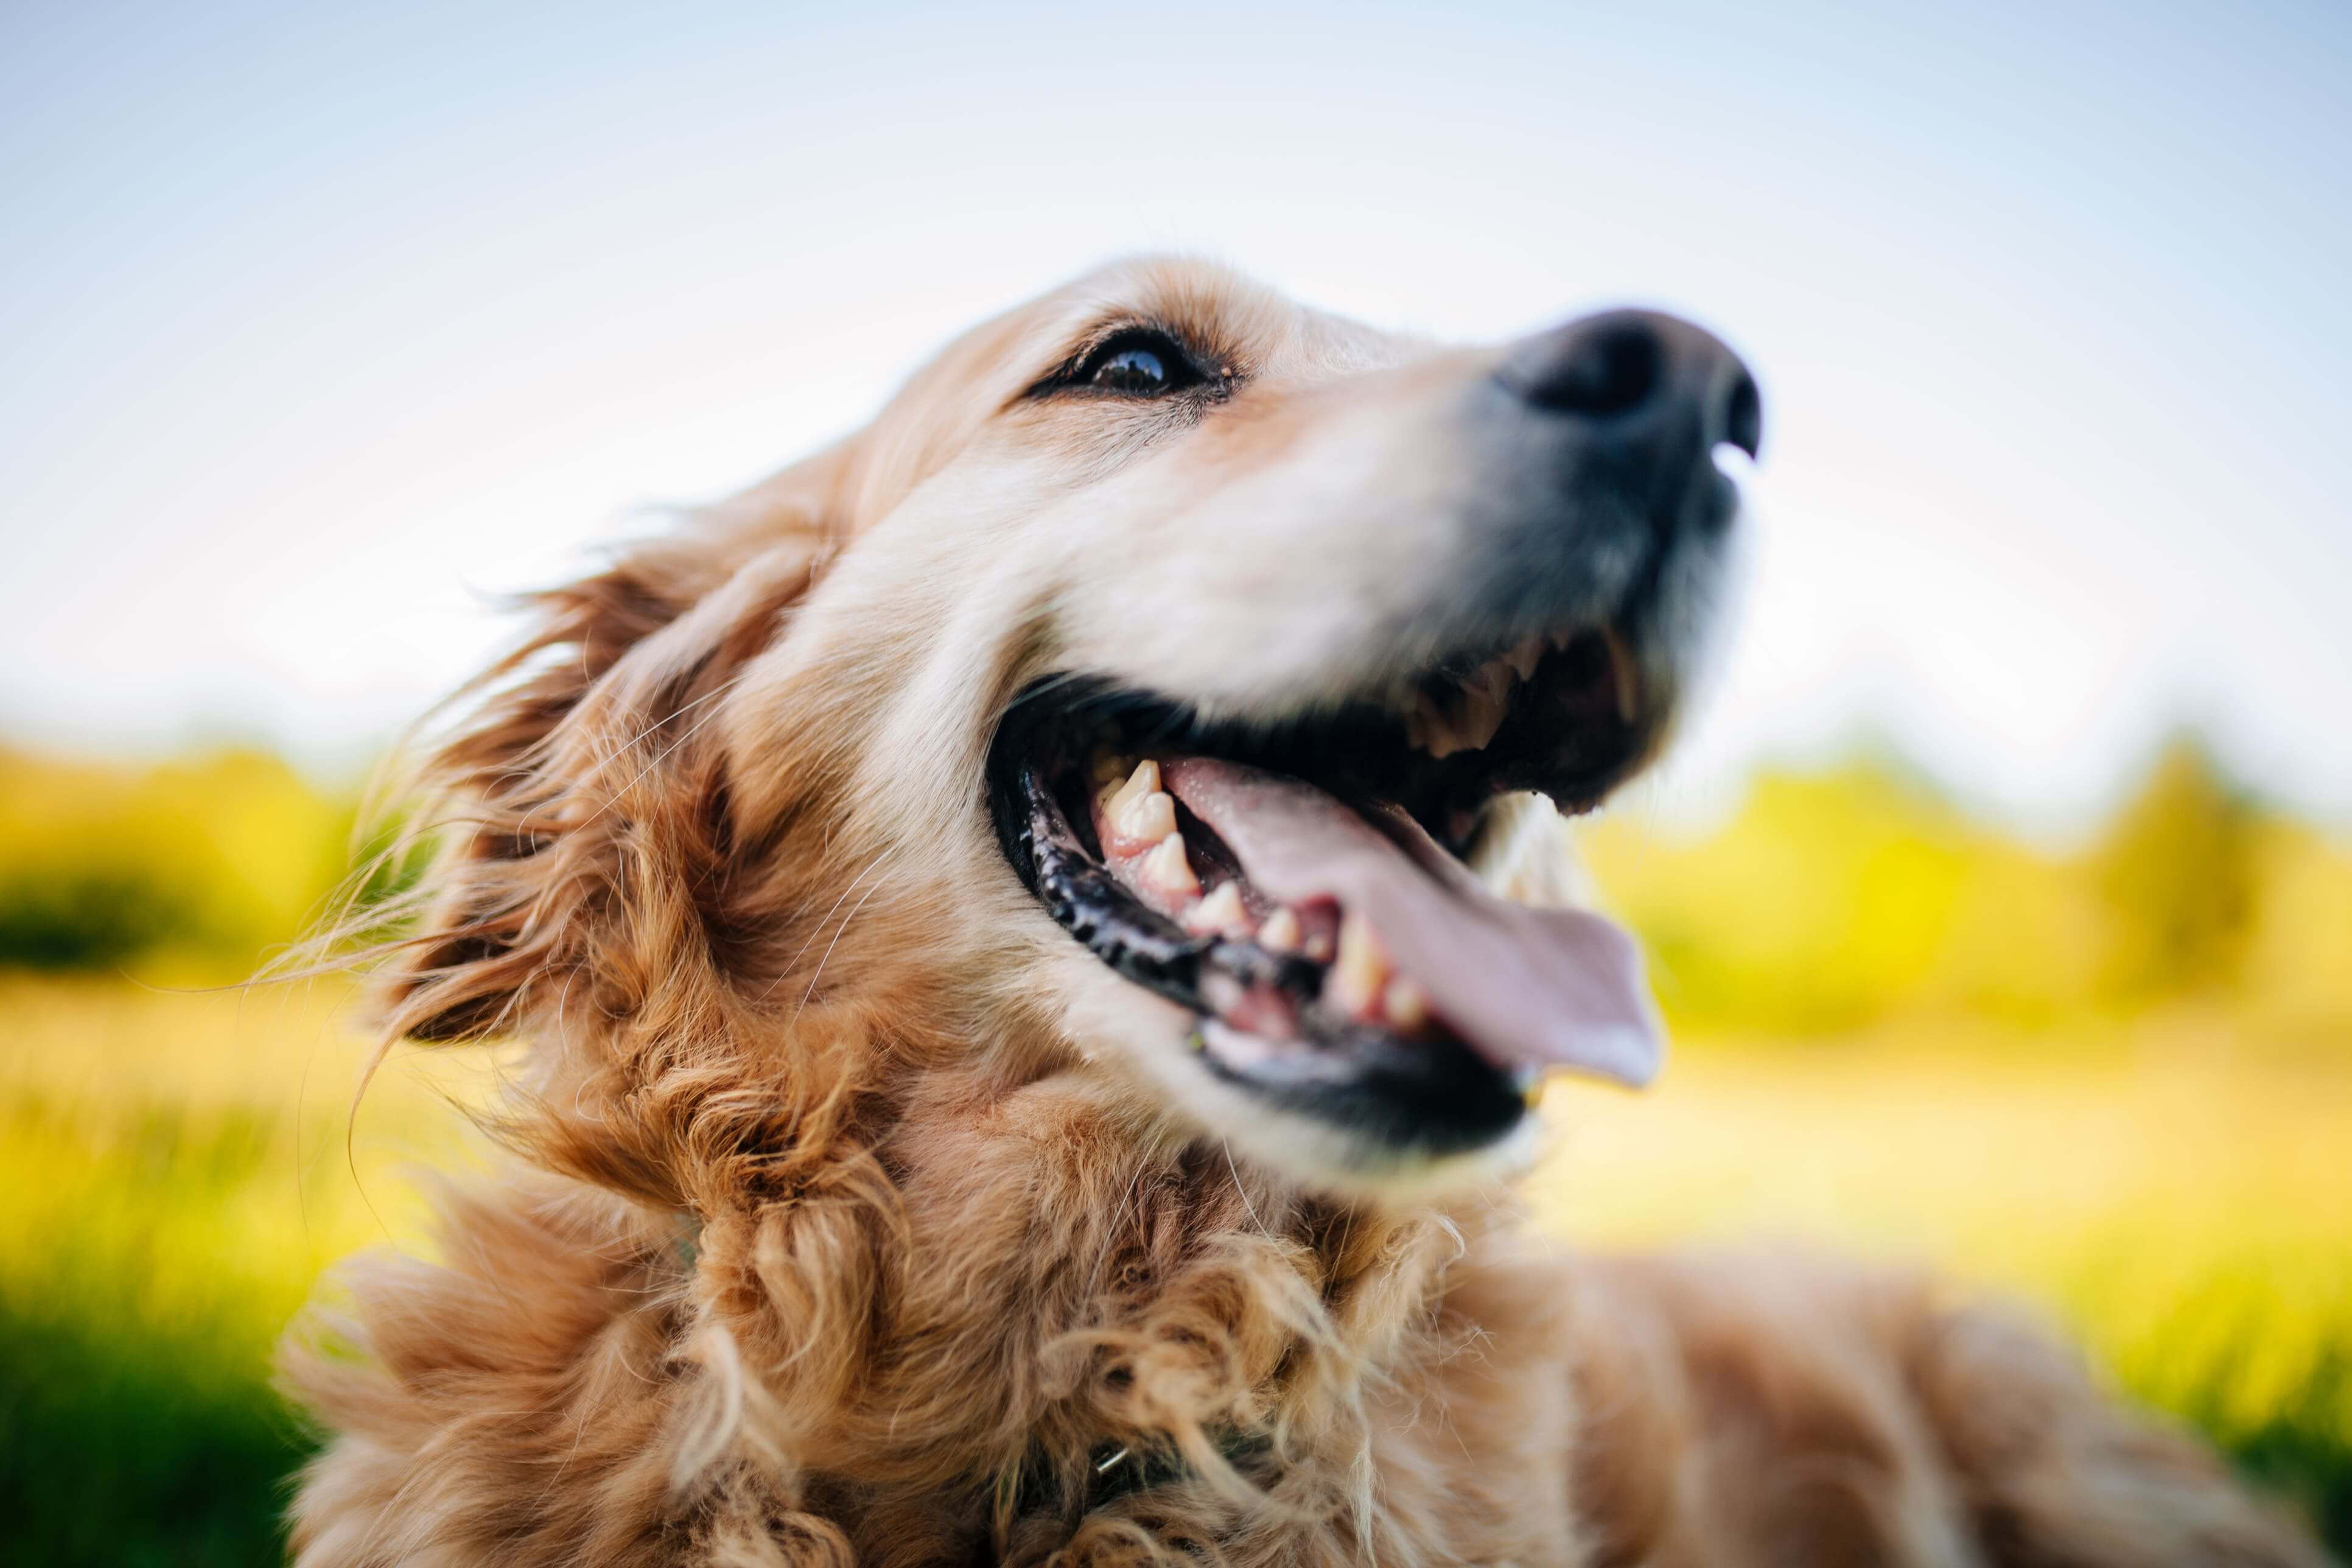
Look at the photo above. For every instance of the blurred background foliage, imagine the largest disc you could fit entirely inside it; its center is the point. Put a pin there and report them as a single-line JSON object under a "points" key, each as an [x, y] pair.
{"points": [[2112, 1075], [1844, 898]]}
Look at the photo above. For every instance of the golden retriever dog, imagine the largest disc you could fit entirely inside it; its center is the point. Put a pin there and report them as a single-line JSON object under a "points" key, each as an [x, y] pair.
{"points": [[1033, 933]]}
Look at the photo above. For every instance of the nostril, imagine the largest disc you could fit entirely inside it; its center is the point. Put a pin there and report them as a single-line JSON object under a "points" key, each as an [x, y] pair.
{"points": [[1612, 368], [1743, 416]]}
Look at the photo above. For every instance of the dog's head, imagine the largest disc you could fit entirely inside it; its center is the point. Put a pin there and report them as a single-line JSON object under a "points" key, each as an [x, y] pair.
{"points": [[1145, 694]]}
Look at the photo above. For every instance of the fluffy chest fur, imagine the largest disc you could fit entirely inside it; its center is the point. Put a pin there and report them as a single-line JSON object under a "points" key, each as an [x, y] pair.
{"points": [[1043, 1339]]}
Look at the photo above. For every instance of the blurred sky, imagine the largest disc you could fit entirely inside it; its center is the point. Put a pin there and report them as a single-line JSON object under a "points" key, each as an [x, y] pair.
{"points": [[320, 324]]}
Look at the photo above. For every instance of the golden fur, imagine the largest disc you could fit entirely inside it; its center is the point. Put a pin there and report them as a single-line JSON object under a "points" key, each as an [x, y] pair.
{"points": [[858, 1216]]}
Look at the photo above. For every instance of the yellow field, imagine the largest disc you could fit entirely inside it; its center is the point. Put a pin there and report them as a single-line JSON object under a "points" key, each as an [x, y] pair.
{"points": [[175, 1174], [2183, 1207]]}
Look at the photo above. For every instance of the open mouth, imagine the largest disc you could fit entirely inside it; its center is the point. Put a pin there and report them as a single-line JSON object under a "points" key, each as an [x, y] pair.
{"points": [[1301, 887]]}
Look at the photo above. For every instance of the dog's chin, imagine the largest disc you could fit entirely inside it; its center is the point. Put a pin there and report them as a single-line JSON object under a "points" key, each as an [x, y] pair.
{"points": [[1284, 933]]}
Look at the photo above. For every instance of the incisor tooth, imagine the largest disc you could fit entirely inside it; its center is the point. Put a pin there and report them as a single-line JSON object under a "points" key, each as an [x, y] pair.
{"points": [[1280, 933], [1166, 868], [1362, 969], [1221, 911], [1406, 1003]]}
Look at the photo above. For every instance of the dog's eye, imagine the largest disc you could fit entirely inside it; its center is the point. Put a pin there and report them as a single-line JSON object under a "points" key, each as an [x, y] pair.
{"points": [[1132, 370], [1137, 365]]}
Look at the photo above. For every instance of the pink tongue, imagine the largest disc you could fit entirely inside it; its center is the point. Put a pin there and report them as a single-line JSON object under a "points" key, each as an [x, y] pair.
{"points": [[1524, 987]]}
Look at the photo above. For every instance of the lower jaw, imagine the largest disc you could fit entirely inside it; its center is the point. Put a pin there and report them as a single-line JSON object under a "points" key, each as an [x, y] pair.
{"points": [[1433, 1101]]}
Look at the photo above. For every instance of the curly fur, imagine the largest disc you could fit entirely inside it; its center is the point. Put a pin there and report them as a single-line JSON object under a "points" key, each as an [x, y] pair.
{"points": [[834, 1235]]}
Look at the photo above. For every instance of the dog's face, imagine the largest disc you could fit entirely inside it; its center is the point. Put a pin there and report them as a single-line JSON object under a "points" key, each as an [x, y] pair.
{"points": [[1179, 652]]}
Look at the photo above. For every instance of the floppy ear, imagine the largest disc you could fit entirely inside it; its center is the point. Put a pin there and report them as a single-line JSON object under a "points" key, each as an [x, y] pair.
{"points": [[583, 797]]}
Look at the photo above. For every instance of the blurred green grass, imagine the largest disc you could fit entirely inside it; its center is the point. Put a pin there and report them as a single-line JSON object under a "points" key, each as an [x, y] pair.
{"points": [[174, 1177], [2114, 1079]]}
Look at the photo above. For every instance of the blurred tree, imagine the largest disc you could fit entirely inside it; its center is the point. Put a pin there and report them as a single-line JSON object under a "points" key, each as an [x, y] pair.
{"points": [[2177, 872], [205, 863]]}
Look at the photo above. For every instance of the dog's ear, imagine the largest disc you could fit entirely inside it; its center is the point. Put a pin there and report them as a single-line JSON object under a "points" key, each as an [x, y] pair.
{"points": [[583, 794]]}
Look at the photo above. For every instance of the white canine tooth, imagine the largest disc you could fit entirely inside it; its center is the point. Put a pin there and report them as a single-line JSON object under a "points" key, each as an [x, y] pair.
{"points": [[1475, 720], [1142, 781], [1146, 818], [1221, 911], [1405, 1004], [1494, 680], [1362, 969], [1166, 868], [1280, 933], [1438, 736], [1629, 675], [1318, 946]]}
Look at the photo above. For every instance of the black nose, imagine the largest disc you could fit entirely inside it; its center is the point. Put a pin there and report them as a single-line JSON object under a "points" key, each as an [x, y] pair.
{"points": [[1641, 380]]}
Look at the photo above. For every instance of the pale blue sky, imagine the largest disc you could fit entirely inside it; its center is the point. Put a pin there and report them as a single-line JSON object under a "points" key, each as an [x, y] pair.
{"points": [[316, 323]]}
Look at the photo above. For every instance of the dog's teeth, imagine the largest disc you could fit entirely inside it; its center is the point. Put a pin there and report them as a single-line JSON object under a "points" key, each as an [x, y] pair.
{"points": [[1438, 736], [1475, 718], [1146, 818], [1629, 675], [1361, 970], [1166, 869], [1405, 1004], [1493, 680], [1318, 946], [1280, 933], [1110, 768], [1142, 781], [1137, 813], [1524, 658], [1221, 912]]}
